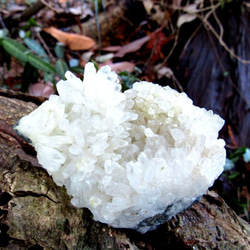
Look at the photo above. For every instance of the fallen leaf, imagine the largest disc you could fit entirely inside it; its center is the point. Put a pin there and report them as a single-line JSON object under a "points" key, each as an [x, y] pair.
{"points": [[185, 18], [163, 71], [86, 56], [155, 45], [16, 8], [122, 66], [119, 66], [82, 11], [41, 89], [131, 47], [73, 41], [112, 48], [104, 58], [148, 5]]}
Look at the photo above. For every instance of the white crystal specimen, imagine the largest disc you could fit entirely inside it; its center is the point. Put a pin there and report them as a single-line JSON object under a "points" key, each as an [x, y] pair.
{"points": [[126, 156]]}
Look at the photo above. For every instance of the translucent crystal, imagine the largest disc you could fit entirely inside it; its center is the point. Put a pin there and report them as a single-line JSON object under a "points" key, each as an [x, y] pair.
{"points": [[134, 159]]}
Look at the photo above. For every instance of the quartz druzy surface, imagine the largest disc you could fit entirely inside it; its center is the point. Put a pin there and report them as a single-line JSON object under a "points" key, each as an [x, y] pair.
{"points": [[126, 156]]}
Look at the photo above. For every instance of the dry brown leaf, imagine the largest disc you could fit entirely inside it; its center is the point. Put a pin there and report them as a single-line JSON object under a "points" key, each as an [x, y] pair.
{"points": [[122, 66], [40, 89], [131, 47], [112, 48], [119, 66], [73, 41]]}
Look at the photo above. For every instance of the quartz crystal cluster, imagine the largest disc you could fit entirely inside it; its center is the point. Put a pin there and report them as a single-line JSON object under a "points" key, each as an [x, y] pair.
{"points": [[134, 159]]}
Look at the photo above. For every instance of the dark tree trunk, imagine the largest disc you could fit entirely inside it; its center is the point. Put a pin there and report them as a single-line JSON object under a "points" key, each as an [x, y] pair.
{"points": [[215, 79], [36, 212]]}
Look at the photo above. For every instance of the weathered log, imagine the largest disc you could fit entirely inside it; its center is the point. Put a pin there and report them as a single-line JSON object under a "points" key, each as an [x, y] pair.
{"points": [[34, 211]]}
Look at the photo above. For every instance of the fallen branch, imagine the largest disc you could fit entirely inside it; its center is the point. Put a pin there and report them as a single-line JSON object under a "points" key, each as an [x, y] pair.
{"points": [[34, 211]]}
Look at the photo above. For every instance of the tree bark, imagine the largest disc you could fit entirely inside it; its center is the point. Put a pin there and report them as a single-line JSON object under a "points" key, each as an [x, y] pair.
{"points": [[34, 211], [212, 77]]}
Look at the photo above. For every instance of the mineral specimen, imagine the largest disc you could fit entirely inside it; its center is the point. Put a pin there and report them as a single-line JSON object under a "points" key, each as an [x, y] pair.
{"points": [[134, 159]]}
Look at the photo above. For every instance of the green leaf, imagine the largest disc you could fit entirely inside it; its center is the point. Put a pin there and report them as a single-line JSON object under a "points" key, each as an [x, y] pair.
{"points": [[59, 50], [49, 77], [16, 49], [233, 175], [77, 69], [61, 68], [127, 80], [32, 21], [28, 25], [237, 154], [37, 48], [38, 63]]}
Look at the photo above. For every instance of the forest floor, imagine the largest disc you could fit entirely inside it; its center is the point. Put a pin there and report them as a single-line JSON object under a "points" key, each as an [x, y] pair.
{"points": [[137, 39]]}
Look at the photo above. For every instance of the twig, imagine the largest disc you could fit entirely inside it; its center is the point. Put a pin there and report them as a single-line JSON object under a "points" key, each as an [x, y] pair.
{"points": [[223, 44], [206, 23], [49, 6], [223, 68], [98, 27], [2, 22], [152, 52], [34, 8], [218, 36], [45, 46], [177, 83], [231, 136], [194, 11], [174, 46], [218, 22], [190, 39]]}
